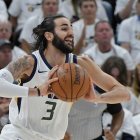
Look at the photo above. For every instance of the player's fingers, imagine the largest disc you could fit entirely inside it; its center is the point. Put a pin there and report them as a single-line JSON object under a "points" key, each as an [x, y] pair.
{"points": [[86, 72], [52, 80], [50, 92], [52, 71], [91, 84]]}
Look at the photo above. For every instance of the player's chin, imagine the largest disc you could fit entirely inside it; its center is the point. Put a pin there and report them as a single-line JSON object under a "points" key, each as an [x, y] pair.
{"points": [[70, 45]]}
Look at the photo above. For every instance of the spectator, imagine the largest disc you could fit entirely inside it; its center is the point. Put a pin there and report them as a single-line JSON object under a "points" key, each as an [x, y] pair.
{"points": [[113, 4], [3, 10], [7, 2], [116, 67], [5, 58], [71, 9], [137, 60], [84, 28], [109, 10], [49, 7], [4, 114], [126, 131], [136, 81], [136, 120], [129, 36], [104, 48], [20, 11], [85, 118], [5, 53], [124, 9], [5, 33]]}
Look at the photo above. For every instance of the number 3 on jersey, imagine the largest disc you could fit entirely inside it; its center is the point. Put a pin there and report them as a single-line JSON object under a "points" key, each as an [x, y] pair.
{"points": [[51, 111]]}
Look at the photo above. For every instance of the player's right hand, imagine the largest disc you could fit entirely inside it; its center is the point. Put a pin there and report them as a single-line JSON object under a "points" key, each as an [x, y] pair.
{"points": [[91, 95], [45, 87]]}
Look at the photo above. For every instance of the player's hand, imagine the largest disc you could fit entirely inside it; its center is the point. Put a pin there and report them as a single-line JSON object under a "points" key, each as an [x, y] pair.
{"points": [[45, 87], [91, 95], [67, 136], [109, 135]]}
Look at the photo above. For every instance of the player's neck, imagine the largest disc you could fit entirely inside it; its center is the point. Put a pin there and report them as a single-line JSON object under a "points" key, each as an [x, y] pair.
{"points": [[54, 56]]}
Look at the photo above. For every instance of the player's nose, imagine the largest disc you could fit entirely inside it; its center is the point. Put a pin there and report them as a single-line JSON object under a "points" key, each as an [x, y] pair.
{"points": [[71, 33]]}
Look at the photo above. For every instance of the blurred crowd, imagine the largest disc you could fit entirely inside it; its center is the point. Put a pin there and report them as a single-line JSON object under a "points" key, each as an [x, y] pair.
{"points": [[108, 33]]}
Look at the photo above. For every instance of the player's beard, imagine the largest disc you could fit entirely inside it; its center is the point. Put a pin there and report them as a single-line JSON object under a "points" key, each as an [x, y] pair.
{"points": [[60, 44]]}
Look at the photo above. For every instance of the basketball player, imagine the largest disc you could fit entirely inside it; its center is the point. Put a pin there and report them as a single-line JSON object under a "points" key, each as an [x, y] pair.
{"points": [[37, 117]]}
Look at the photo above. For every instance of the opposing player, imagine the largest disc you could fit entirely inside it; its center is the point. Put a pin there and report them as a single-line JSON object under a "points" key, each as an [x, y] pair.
{"points": [[46, 117]]}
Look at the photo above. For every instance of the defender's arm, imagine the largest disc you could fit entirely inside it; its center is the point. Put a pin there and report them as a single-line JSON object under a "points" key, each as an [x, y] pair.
{"points": [[116, 92]]}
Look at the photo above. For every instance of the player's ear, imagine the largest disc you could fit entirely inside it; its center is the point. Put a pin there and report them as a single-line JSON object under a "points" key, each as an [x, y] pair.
{"points": [[49, 36]]}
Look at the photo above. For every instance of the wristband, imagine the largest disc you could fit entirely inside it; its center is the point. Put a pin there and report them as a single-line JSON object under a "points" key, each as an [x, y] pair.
{"points": [[38, 90]]}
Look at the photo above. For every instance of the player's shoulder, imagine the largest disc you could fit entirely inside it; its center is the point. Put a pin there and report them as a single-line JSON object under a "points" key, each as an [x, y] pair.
{"points": [[82, 60], [21, 66], [25, 62]]}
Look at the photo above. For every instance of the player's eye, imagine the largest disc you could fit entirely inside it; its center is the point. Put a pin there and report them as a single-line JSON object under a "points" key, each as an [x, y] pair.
{"points": [[64, 29]]}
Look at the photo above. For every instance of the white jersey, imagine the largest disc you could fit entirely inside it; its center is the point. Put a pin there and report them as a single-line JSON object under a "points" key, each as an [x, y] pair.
{"points": [[46, 118]]}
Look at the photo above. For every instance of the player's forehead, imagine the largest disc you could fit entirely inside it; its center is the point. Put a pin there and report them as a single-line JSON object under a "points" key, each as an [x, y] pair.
{"points": [[59, 22]]}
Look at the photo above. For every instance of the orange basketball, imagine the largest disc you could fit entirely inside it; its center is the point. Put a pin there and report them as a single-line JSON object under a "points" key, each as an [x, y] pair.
{"points": [[72, 84]]}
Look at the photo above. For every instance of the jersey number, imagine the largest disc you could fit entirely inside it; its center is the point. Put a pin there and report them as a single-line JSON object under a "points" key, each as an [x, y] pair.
{"points": [[51, 111]]}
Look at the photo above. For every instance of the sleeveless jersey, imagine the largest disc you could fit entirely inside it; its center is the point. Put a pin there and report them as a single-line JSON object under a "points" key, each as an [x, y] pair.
{"points": [[47, 116]]}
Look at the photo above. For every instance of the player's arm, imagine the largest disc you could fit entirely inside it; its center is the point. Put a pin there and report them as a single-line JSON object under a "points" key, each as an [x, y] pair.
{"points": [[116, 92], [17, 69]]}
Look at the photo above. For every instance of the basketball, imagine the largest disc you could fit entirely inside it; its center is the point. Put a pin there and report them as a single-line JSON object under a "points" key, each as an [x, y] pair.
{"points": [[72, 84]]}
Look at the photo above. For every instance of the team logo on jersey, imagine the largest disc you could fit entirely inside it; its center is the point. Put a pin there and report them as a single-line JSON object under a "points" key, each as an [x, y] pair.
{"points": [[41, 71]]}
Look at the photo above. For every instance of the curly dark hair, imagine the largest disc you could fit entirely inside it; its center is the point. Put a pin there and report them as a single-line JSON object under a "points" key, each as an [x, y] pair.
{"points": [[47, 25], [136, 82], [117, 62]]}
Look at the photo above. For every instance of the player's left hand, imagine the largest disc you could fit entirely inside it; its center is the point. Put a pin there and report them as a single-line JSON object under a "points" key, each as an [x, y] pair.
{"points": [[109, 135], [91, 95]]}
